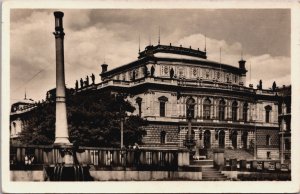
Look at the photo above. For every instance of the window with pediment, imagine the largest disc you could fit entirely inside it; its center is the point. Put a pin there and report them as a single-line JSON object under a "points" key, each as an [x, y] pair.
{"points": [[268, 110], [162, 106]]}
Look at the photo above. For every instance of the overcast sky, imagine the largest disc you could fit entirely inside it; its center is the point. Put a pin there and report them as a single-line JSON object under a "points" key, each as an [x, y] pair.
{"points": [[92, 35]]}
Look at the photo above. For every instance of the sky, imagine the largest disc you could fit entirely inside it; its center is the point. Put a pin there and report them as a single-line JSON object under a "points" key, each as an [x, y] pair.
{"points": [[98, 35]]}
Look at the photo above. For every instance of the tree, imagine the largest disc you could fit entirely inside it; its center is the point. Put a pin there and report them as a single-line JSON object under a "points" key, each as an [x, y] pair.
{"points": [[93, 120]]}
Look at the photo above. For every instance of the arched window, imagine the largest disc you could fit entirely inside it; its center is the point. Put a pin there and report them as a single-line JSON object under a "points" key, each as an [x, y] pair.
{"points": [[190, 108], [268, 110], [162, 106], [138, 100], [163, 137], [206, 109], [245, 112], [268, 140], [234, 111], [222, 110]]}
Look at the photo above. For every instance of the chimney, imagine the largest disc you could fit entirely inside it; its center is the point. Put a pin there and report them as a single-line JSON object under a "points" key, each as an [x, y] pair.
{"points": [[61, 125], [242, 64], [104, 68], [243, 68]]}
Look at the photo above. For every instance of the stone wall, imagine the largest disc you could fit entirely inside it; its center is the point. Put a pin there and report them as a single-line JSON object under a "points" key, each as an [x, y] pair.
{"points": [[144, 175]]}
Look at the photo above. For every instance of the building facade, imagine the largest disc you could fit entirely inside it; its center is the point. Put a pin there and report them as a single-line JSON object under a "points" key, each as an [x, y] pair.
{"points": [[172, 87], [166, 83], [19, 116]]}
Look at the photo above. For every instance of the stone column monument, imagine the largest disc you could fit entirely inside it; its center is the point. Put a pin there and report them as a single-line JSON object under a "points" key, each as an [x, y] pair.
{"points": [[61, 126]]}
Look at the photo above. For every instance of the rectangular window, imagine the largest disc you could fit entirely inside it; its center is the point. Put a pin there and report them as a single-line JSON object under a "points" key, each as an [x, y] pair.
{"points": [[267, 116], [162, 106]]}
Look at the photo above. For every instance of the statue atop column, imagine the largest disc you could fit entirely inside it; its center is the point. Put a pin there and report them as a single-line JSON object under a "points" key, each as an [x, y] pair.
{"points": [[76, 85], [87, 80], [81, 83], [93, 78]]}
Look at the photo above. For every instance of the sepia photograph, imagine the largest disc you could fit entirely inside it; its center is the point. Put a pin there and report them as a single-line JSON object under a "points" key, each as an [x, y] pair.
{"points": [[149, 95]]}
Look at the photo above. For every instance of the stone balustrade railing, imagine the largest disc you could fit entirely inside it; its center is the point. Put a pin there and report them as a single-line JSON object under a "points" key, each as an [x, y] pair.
{"points": [[255, 165], [101, 157]]}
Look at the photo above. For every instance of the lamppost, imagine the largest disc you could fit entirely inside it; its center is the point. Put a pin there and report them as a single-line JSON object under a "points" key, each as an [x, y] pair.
{"points": [[255, 136], [120, 99], [282, 130], [189, 142]]}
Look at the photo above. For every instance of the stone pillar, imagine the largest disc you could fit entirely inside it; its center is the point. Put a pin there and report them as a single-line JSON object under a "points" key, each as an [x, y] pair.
{"points": [[61, 126], [183, 158], [219, 158]]}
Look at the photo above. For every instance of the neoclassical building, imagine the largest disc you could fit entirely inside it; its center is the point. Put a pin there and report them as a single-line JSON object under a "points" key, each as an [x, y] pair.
{"points": [[174, 87], [169, 83]]}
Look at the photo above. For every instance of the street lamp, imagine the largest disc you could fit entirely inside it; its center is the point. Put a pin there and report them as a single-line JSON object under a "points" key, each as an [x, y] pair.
{"points": [[120, 99], [255, 136], [189, 142]]}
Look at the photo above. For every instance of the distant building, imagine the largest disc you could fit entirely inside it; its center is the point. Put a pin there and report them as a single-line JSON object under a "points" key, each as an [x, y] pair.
{"points": [[19, 116], [284, 120]]}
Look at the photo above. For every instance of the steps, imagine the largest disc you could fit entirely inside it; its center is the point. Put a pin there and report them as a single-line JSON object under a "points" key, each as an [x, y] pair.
{"points": [[208, 163], [211, 174]]}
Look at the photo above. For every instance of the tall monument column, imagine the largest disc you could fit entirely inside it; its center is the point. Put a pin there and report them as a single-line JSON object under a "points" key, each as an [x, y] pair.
{"points": [[61, 125]]}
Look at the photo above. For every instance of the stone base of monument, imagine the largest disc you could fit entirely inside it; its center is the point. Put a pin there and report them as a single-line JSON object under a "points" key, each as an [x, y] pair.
{"points": [[67, 173]]}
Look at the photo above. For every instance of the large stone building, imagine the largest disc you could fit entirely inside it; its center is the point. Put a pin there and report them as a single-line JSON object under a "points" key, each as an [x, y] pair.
{"points": [[166, 83], [173, 86]]}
